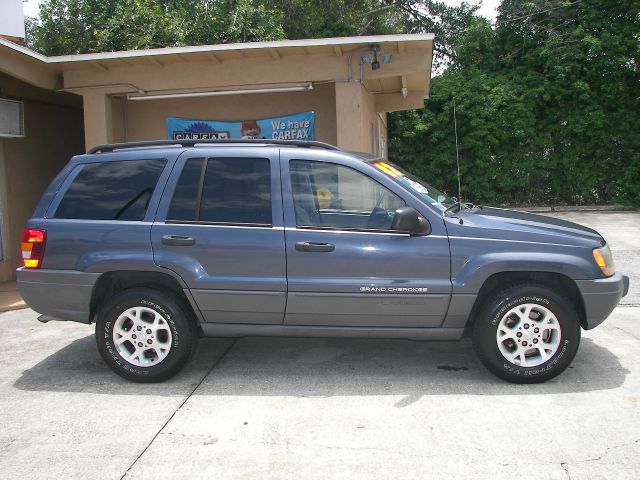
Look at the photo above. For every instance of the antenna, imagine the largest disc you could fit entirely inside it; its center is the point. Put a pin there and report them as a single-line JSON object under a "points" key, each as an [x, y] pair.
{"points": [[455, 129]]}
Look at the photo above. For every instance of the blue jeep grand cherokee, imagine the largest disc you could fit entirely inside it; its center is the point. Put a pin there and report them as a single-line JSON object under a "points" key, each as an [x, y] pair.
{"points": [[161, 242]]}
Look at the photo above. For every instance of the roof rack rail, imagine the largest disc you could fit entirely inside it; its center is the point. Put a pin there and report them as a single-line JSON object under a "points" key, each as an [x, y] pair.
{"points": [[110, 147]]}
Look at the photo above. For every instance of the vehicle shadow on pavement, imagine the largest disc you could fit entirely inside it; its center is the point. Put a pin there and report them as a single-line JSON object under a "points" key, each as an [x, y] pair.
{"points": [[78, 367], [321, 367]]}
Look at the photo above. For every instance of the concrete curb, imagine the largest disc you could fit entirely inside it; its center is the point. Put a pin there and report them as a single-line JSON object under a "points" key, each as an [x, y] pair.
{"points": [[576, 208], [9, 308], [10, 297]]}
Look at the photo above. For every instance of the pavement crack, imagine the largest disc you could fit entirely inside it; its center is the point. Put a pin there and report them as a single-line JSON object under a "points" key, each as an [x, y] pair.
{"points": [[565, 465], [627, 333], [353, 448], [215, 364], [608, 449]]}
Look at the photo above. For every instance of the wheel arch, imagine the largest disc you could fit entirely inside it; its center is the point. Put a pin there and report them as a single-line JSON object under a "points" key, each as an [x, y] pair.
{"points": [[111, 283], [501, 280]]}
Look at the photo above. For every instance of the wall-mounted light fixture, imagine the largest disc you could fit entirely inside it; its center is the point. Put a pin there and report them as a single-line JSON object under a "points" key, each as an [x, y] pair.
{"points": [[374, 57], [217, 93], [375, 64]]}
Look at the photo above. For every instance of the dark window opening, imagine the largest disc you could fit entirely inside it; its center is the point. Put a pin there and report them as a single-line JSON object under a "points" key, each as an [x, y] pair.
{"points": [[111, 191], [223, 190]]}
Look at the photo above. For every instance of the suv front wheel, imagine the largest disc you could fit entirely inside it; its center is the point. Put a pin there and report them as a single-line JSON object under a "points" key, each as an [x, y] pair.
{"points": [[145, 335], [526, 334]]}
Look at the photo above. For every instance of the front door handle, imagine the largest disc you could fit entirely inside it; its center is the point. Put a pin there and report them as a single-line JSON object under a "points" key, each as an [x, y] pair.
{"points": [[315, 247], [178, 240]]}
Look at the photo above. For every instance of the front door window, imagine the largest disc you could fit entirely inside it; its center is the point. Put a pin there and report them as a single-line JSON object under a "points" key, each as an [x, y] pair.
{"points": [[327, 195]]}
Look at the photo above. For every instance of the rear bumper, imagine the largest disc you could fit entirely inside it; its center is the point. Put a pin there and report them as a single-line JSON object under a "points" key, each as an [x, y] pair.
{"points": [[601, 296], [63, 294]]}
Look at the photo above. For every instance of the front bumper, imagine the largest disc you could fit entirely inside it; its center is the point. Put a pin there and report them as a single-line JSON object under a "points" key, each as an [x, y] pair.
{"points": [[601, 296]]}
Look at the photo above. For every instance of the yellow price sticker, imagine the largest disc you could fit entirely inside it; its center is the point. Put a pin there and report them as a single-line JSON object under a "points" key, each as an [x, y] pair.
{"points": [[388, 169]]}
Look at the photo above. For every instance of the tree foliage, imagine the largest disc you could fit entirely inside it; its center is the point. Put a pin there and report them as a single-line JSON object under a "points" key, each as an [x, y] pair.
{"points": [[337, 18], [448, 23], [547, 107], [89, 26], [547, 98]]}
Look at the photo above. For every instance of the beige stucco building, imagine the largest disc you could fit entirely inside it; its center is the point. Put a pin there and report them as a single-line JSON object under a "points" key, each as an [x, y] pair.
{"points": [[74, 102]]}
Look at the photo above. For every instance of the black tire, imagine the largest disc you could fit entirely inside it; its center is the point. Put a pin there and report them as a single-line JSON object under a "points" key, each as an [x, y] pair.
{"points": [[176, 332], [493, 315]]}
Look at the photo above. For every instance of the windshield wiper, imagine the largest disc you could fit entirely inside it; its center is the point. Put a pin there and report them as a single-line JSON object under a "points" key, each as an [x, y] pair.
{"points": [[466, 205], [449, 210]]}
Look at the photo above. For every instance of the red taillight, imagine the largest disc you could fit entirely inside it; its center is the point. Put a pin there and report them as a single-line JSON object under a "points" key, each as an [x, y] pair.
{"points": [[33, 242]]}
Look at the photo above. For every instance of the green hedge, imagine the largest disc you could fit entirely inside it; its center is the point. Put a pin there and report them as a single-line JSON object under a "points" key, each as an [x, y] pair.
{"points": [[542, 119]]}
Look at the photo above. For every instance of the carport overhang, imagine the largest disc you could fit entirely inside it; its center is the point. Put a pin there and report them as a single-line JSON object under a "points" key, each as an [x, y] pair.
{"points": [[28, 66], [402, 82], [102, 78]]}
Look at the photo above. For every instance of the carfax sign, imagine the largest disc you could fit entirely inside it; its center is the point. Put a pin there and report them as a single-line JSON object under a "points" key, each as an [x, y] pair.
{"points": [[299, 126]]}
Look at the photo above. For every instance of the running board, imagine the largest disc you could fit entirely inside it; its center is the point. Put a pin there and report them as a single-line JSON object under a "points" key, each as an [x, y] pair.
{"points": [[244, 330], [47, 319]]}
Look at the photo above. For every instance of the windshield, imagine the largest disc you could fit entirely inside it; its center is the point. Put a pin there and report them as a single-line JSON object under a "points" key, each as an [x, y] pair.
{"points": [[430, 194]]}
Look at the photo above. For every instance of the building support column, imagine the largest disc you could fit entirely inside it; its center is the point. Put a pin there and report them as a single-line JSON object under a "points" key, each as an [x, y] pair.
{"points": [[349, 116], [355, 118], [98, 118]]}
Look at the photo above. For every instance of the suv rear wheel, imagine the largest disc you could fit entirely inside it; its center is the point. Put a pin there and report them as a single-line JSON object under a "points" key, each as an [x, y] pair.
{"points": [[526, 334], [145, 335]]}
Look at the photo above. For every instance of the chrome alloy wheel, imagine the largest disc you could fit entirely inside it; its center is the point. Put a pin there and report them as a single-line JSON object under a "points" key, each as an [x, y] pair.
{"points": [[142, 336], [528, 335]]}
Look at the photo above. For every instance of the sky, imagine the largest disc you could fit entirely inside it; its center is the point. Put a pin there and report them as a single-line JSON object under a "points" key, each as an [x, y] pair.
{"points": [[487, 7], [31, 8]]}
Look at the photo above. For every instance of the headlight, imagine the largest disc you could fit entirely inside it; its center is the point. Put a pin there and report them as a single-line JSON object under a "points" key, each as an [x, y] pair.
{"points": [[604, 260]]}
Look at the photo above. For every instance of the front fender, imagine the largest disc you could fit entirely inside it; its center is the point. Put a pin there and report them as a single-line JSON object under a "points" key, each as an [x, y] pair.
{"points": [[470, 271]]}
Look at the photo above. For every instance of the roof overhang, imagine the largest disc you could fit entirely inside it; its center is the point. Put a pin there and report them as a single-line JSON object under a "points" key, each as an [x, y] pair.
{"points": [[26, 65], [232, 66]]}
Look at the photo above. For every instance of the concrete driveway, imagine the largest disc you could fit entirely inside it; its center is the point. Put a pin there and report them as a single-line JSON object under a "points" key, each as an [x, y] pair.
{"points": [[280, 408]]}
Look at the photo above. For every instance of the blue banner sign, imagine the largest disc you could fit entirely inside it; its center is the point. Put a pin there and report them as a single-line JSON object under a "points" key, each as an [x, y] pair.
{"points": [[299, 126]]}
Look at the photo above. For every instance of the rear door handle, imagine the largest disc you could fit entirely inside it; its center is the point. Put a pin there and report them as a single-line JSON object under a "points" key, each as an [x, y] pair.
{"points": [[315, 247], [178, 240]]}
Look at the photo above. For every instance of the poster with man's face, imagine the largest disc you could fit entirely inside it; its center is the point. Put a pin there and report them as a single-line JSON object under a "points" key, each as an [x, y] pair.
{"points": [[299, 126]]}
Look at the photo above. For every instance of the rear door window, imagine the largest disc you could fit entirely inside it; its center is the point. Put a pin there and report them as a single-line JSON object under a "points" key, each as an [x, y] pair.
{"points": [[223, 191], [111, 190]]}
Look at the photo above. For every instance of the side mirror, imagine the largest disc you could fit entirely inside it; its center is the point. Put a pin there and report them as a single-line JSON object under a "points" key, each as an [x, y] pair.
{"points": [[407, 219]]}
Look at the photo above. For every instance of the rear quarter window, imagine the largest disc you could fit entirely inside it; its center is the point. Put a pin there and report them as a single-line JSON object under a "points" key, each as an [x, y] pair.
{"points": [[111, 191]]}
